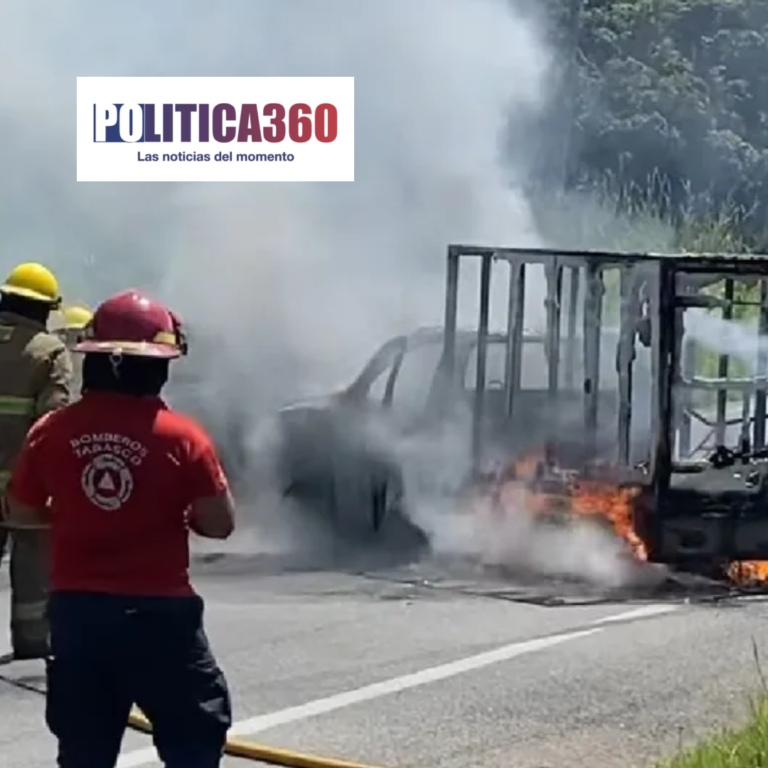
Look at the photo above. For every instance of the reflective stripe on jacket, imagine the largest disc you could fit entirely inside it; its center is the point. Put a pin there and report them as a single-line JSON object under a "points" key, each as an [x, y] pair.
{"points": [[36, 376]]}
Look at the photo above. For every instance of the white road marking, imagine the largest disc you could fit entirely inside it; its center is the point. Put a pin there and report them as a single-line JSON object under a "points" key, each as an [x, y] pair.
{"points": [[403, 683], [328, 704], [376, 690], [643, 612], [750, 598]]}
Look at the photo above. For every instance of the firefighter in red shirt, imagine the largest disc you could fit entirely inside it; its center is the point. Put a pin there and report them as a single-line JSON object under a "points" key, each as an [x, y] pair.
{"points": [[121, 479]]}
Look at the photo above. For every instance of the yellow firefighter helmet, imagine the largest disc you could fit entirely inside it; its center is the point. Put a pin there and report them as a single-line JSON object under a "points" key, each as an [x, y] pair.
{"points": [[33, 281], [69, 322], [76, 317]]}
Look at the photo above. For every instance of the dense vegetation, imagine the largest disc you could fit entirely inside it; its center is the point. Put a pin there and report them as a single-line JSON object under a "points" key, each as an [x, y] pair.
{"points": [[667, 106]]}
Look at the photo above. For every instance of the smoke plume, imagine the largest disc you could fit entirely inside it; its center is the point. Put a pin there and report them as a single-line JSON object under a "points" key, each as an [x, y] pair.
{"points": [[286, 288], [738, 339], [294, 282]]}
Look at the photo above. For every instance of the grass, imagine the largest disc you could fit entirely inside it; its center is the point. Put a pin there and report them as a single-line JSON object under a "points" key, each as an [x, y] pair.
{"points": [[604, 214], [745, 747], [611, 217]]}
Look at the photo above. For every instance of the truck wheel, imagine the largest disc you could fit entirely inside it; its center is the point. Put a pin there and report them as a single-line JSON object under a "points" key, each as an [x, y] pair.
{"points": [[379, 507]]}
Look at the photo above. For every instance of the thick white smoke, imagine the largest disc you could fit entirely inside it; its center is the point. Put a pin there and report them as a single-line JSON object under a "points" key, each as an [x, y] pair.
{"points": [[740, 340], [287, 288], [311, 274]]}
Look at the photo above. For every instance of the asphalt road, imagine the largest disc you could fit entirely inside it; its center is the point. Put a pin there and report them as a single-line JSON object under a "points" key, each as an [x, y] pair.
{"points": [[460, 680]]}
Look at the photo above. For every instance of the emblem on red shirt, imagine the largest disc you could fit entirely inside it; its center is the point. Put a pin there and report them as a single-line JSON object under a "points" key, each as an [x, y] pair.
{"points": [[107, 482]]}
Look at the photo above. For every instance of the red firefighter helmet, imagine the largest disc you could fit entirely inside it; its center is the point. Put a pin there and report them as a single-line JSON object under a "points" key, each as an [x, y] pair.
{"points": [[130, 323]]}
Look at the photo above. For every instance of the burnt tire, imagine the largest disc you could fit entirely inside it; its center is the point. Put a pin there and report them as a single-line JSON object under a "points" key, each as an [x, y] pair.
{"points": [[380, 524]]}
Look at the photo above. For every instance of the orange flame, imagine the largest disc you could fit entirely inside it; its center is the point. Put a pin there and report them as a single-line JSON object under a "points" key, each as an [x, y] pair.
{"points": [[748, 572], [609, 502], [613, 503]]}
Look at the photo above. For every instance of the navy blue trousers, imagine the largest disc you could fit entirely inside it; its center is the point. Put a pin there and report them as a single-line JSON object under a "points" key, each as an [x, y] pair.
{"points": [[111, 652]]}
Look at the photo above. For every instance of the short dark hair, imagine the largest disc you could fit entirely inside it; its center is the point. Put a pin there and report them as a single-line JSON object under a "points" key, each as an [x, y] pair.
{"points": [[124, 374]]}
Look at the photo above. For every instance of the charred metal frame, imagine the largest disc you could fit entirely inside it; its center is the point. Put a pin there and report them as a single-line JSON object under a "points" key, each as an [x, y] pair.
{"points": [[709, 516], [578, 264], [675, 273], [735, 530]]}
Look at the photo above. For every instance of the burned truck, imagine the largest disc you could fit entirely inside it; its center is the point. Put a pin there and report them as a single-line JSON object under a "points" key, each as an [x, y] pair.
{"points": [[682, 427], [349, 458], [619, 388]]}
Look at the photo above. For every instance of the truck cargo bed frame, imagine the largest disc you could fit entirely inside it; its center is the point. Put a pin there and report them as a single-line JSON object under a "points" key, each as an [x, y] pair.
{"points": [[650, 294]]}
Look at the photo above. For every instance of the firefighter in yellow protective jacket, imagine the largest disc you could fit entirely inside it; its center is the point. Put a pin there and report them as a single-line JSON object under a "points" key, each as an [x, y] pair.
{"points": [[36, 376], [69, 324]]}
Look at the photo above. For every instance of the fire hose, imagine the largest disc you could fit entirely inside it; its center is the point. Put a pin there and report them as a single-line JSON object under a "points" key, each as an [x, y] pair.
{"points": [[247, 750], [260, 752], [233, 747]]}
